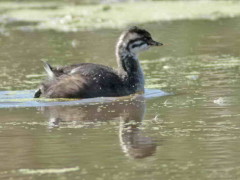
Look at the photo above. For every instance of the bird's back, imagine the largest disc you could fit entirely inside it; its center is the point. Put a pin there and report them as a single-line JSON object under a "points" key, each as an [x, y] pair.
{"points": [[82, 81]]}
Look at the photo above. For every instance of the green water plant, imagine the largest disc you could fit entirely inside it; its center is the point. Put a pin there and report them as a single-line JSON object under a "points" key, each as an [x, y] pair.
{"points": [[61, 16]]}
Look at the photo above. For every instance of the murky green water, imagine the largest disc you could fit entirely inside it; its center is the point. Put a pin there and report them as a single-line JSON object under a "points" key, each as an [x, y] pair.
{"points": [[192, 134]]}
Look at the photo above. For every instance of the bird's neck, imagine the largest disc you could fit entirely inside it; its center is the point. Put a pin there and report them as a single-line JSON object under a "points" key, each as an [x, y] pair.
{"points": [[130, 69]]}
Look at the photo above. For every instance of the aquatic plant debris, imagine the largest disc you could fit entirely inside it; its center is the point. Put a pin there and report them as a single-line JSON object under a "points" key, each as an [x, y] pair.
{"points": [[219, 101], [62, 16], [48, 171]]}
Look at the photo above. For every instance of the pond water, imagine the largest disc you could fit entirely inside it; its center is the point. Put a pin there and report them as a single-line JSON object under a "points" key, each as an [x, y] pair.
{"points": [[191, 133]]}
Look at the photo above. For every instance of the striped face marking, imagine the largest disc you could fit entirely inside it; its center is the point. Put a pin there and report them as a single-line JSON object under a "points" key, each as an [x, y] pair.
{"points": [[135, 40], [137, 45]]}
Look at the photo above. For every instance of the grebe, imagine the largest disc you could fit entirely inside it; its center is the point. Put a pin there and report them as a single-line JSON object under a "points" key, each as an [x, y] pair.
{"points": [[88, 80]]}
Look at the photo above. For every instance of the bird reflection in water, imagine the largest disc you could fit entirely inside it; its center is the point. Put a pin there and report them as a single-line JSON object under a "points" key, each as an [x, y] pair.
{"points": [[130, 110]]}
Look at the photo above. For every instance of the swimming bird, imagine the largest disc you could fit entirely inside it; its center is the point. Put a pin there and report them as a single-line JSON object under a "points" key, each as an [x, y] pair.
{"points": [[88, 80]]}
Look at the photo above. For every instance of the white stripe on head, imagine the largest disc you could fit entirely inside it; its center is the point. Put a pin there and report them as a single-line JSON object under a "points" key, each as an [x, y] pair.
{"points": [[138, 46]]}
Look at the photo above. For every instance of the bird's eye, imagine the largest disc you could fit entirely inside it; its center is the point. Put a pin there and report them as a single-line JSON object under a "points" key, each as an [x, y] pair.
{"points": [[146, 38]]}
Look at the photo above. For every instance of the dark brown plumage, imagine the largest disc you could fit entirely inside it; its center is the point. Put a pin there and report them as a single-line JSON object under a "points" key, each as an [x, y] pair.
{"points": [[89, 80]]}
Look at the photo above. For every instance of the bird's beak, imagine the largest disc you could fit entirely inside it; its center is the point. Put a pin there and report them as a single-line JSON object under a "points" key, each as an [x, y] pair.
{"points": [[154, 43]]}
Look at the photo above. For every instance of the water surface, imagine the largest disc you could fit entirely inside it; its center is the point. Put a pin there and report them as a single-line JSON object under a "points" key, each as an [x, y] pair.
{"points": [[191, 134]]}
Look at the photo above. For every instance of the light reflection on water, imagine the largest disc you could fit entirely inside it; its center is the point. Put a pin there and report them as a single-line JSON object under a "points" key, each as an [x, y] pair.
{"points": [[191, 134]]}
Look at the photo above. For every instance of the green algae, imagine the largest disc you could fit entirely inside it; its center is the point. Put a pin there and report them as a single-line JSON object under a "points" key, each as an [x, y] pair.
{"points": [[67, 17]]}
